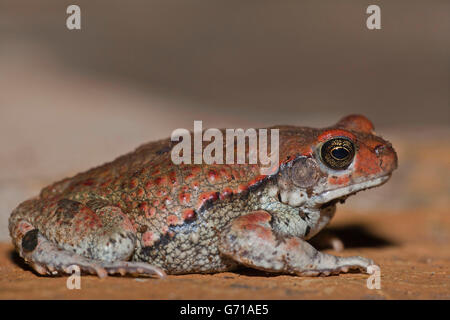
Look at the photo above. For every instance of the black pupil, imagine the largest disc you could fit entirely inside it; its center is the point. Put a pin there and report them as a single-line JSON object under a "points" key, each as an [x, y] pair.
{"points": [[339, 153]]}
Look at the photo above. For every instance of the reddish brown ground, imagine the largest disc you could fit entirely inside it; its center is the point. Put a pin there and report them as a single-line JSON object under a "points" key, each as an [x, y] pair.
{"points": [[412, 249]]}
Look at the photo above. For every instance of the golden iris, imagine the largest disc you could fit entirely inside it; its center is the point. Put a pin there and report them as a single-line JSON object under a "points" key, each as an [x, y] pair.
{"points": [[337, 153]]}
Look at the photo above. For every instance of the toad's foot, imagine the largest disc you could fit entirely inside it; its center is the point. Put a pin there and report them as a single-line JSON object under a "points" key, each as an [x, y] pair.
{"points": [[46, 258], [251, 241]]}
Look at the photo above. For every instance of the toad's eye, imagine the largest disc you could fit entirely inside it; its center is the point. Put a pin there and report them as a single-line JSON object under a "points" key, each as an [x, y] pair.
{"points": [[337, 153]]}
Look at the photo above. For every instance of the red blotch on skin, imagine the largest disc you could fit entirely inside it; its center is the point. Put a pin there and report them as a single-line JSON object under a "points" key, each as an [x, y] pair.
{"points": [[261, 232], [92, 224], [23, 228], [254, 222], [127, 199], [133, 183], [143, 206], [366, 162], [225, 174], [206, 196], [88, 182], [134, 204], [161, 181], [188, 214], [192, 173], [148, 185], [119, 205], [151, 212], [227, 192], [256, 180], [173, 177], [242, 188], [184, 198], [140, 192], [367, 168], [106, 192], [172, 220], [195, 185], [106, 183], [254, 218], [292, 244], [128, 225], [212, 176], [161, 192], [340, 180], [148, 238], [188, 176]]}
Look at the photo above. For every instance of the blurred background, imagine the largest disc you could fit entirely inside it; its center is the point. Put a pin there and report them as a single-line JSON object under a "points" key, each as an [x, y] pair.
{"points": [[137, 70]]}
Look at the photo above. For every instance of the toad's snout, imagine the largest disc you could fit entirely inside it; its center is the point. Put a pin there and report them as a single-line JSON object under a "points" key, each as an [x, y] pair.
{"points": [[387, 157]]}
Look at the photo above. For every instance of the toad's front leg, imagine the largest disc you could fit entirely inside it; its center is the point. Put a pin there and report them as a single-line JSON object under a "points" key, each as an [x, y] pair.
{"points": [[251, 241]]}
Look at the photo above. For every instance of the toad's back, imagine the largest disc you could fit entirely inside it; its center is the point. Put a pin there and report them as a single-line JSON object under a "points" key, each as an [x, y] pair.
{"points": [[145, 184]]}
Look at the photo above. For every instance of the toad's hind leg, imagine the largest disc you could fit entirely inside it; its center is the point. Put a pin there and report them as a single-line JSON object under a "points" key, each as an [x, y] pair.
{"points": [[251, 241], [96, 237]]}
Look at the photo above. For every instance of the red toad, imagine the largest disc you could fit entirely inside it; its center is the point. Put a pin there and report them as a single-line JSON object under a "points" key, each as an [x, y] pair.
{"points": [[142, 214]]}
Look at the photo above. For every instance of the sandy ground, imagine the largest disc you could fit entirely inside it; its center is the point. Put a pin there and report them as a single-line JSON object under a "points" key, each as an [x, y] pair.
{"points": [[411, 248]]}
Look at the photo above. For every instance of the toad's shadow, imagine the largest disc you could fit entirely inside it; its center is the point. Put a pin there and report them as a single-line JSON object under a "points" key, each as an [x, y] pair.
{"points": [[14, 257], [352, 236]]}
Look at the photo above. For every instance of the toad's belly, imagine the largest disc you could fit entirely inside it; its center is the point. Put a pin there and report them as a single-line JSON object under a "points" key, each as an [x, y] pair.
{"points": [[192, 247]]}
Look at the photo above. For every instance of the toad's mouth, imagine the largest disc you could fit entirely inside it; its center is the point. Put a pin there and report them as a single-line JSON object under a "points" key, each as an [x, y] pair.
{"points": [[332, 197]]}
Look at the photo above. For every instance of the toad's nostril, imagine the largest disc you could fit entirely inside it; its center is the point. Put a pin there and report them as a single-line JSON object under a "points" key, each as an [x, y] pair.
{"points": [[387, 156]]}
